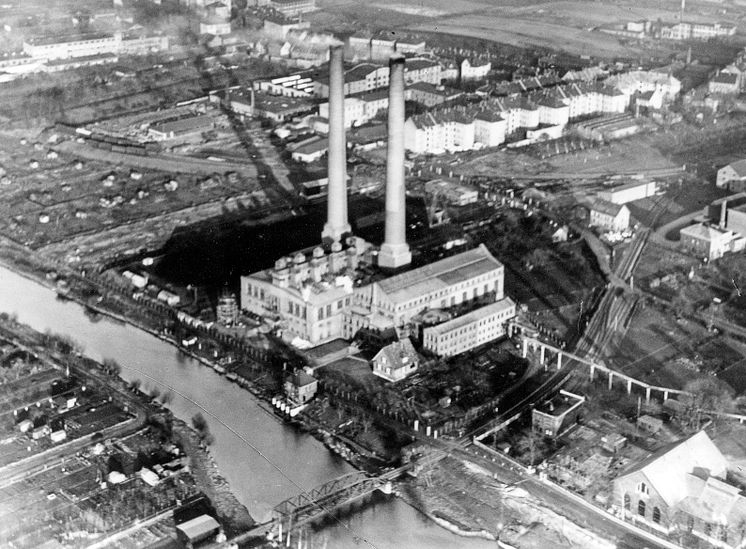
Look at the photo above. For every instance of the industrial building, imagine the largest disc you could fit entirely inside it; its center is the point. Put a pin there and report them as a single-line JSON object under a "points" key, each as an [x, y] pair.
{"points": [[471, 330], [710, 242], [629, 192], [346, 284], [557, 415], [685, 487]]}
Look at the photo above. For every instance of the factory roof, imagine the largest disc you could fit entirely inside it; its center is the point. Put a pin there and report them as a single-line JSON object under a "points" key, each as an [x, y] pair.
{"points": [[199, 527], [476, 315], [185, 125], [66, 39], [666, 469], [439, 275]]}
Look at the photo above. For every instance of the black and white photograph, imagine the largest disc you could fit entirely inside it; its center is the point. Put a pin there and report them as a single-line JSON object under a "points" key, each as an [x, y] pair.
{"points": [[395, 274]]}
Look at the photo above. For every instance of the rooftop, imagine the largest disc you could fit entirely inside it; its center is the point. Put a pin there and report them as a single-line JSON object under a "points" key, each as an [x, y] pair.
{"points": [[399, 354], [607, 208], [704, 232], [725, 78], [198, 527], [667, 469], [66, 39], [441, 274], [183, 125], [503, 305], [559, 404]]}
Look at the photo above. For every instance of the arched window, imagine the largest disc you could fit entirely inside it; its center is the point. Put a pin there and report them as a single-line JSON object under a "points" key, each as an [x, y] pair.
{"points": [[627, 502], [656, 515], [641, 508], [642, 488]]}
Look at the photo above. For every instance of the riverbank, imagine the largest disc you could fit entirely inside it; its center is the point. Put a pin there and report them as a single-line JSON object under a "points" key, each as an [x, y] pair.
{"points": [[233, 514]]}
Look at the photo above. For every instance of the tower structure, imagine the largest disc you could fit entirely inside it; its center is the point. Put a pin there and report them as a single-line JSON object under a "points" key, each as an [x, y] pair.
{"points": [[395, 251], [337, 223]]}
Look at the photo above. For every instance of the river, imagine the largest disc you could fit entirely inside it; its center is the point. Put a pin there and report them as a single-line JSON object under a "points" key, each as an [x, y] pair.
{"points": [[264, 460]]}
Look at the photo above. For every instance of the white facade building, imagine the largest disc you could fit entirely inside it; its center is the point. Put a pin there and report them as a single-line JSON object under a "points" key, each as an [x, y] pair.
{"points": [[471, 330]]}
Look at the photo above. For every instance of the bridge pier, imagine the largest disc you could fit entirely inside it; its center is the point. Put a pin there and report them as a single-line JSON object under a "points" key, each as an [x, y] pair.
{"points": [[525, 348], [559, 361], [629, 386], [665, 396], [542, 354], [647, 395], [416, 425], [611, 379]]}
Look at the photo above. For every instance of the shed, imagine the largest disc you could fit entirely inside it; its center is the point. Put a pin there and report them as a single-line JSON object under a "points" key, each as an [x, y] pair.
{"points": [[196, 530], [650, 424]]}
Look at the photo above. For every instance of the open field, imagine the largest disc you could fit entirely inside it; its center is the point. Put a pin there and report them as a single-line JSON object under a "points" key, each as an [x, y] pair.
{"points": [[529, 33]]}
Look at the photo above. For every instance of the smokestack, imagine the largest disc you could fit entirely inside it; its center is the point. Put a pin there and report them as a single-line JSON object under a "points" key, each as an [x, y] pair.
{"points": [[336, 213], [395, 250]]}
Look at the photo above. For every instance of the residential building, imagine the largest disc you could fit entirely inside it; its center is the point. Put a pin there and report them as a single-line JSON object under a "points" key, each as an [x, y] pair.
{"points": [[454, 193], [710, 242], [725, 83], [628, 192], [696, 31], [556, 415], [553, 111], [355, 110], [608, 216], [300, 387], [278, 25], [439, 131], [396, 360], [468, 331], [683, 487], [475, 71], [431, 95], [489, 128], [732, 176], [420, 69], [633, 82], [292, 8], [215, 25]]}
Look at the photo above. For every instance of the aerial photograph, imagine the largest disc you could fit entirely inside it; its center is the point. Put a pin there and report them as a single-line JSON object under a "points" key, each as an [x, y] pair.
{"points": [[339, 274]]}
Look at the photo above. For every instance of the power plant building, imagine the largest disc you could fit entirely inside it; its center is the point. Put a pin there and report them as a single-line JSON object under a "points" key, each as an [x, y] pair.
{"points": [[346, 284]]}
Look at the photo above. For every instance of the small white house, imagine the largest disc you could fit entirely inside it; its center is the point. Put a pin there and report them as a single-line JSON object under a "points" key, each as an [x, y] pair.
{"points": [[396, 361]]}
